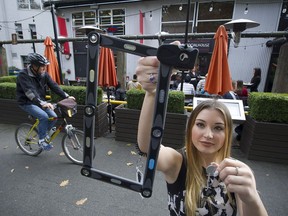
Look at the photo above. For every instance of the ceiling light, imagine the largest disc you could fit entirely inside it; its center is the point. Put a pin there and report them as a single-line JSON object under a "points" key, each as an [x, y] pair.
{"points": [[211, 7], [284, 10], [246, 9]]}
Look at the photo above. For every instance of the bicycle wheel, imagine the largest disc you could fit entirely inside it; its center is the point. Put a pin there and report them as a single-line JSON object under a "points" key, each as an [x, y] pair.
{"points": [[73, 146], [27, 140]]}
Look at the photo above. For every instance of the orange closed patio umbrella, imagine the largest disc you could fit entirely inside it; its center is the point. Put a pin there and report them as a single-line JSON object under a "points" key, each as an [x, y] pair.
{"points": [[107, 73], [52, 68], [219, 80]]}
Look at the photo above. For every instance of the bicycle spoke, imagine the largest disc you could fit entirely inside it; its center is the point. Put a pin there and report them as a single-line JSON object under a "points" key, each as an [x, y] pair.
{"points": [[27, 139], [73, 146]]}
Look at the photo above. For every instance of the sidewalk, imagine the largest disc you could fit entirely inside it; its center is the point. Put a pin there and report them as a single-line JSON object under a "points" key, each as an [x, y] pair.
{"points": [[32, 185]]}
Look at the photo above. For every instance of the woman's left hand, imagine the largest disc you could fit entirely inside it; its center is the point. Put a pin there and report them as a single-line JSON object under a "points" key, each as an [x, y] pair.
{"points": [[239, 179]]}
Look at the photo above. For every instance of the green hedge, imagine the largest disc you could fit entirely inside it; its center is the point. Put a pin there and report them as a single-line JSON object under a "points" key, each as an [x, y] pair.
{"points": [[79, 92], [135, 98], [10, 79], [268, 107], [8, 91], [175, 104]]}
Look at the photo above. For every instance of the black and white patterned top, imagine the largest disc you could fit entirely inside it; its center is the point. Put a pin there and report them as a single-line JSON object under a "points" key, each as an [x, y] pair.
{"points": [[214, 199]]}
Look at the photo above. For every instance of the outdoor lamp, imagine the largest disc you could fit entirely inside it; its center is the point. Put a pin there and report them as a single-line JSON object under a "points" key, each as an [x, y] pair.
{"points": [[87, 29], [238, 26], [160, 34], [14, 38]]}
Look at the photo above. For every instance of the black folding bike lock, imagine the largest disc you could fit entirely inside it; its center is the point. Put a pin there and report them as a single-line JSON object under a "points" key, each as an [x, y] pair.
{"points": [[170, 56]]}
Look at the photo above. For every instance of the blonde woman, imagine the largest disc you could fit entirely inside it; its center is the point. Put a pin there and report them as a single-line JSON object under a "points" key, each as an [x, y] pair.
{"points": [[229, 188]]}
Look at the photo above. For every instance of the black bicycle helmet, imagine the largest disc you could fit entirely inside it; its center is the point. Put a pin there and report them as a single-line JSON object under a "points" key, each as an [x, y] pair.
{"points": [[37, 59]]}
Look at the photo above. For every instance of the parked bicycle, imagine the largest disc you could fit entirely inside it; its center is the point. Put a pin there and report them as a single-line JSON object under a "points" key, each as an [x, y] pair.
{"points": [[72, 142]]}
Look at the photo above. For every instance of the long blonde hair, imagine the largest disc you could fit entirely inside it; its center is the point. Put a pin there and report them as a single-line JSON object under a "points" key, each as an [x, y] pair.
{"points": [[194, 177]]}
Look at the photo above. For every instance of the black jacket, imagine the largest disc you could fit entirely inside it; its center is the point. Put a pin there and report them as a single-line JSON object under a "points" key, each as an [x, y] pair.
{"points": [[31, 89], [255, 83]]}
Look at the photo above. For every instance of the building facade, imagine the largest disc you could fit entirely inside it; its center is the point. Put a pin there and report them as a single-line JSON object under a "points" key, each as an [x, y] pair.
{"points": [[30, 19]]}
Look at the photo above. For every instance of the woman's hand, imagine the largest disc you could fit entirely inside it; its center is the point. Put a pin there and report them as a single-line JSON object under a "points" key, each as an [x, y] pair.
{"points": [[239, 179], [147, 72]]}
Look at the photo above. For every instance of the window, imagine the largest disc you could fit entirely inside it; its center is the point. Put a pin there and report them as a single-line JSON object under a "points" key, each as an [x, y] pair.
{"points": [[33, 32], [174, 18], [210, 16], [29, 4], [113, 21], [25, 61], [80, 19], [19, 30], [213, 14]]}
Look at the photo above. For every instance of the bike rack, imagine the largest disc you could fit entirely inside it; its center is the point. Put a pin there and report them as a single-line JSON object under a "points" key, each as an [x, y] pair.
{"points": [[170, 56]]}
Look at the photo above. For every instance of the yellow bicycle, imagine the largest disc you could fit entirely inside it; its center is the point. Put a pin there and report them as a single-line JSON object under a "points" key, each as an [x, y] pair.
{"points": [[26, 136]]}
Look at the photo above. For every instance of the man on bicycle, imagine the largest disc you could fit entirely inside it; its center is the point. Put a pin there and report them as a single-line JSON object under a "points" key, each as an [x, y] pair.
{"points": [[32, 84]]}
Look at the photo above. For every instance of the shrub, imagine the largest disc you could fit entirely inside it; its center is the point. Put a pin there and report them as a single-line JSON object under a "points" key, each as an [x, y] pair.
{"points": [[10, 79], [175, 103], [8, 91], [268, 107], [135, 98], [79, 92]]}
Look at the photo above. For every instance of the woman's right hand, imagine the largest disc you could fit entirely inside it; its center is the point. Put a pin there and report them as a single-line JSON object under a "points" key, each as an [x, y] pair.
{"points": [[146, 68]]}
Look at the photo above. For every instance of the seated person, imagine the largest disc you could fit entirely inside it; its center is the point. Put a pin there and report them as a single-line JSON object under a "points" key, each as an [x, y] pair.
{"points": [[134, 84], [120, 93], [188, 88], [176, 82], [241, 90], [200, 89], [231, 94]]}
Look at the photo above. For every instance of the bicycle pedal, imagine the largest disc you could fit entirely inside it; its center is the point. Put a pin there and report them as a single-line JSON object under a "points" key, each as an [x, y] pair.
{"points": [[45, 146]]}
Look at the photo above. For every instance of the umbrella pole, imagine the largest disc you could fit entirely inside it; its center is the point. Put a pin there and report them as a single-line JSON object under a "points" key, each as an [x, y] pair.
{"points": [[182, 80], [56, 42], [109, 109]]}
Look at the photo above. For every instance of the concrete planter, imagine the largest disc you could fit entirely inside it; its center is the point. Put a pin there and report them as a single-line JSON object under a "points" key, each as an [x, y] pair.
{"points": [[127, 126], [101, 120], [265, 141], [10, 113]]}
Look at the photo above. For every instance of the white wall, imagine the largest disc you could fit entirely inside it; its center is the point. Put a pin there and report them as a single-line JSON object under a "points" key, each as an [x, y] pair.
{"points": [[252, 52], [43, 24]]}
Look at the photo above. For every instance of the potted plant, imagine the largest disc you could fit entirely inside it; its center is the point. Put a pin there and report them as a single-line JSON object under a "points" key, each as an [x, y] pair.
{"points": [[12, 114], [127, 118], [265, 131]]}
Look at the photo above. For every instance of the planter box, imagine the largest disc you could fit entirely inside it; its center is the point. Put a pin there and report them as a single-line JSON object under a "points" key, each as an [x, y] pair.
{"points": [[10, 113], [101, 120], [265, 141], [127, 126]]}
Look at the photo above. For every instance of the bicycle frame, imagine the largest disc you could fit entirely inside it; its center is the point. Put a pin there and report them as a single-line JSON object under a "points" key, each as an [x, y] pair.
{"points": [[58, 130], [170, 56], [30, 131]]}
